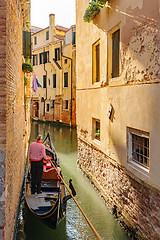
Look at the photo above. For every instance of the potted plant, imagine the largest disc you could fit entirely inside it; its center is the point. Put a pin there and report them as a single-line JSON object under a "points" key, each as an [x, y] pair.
{"points": [[27, 67], [93, 9], [98, 135]]}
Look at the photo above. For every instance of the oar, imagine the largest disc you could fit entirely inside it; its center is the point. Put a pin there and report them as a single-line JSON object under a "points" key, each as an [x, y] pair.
{"points": [[88, 221]]}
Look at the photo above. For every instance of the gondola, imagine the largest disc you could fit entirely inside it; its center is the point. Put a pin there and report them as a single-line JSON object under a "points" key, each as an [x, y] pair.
{"points": [[50, 205]]}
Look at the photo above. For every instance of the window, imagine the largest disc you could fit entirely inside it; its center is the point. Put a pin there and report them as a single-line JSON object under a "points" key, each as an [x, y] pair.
{"points": [[52, 105], [66, 79], [40, 58], [73, 38], [35, 60], [96, 62], [54, 80], [47, 35], [115, 53], [47, 110], [138, 147], [44, 81], [46, 57], [65, 61], [57, 54], [35, 40], [66, 104], [96, 129]]}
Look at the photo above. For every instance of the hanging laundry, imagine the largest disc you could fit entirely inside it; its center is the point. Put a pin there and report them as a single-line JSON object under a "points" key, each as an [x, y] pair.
{"points": [[36, 83]]}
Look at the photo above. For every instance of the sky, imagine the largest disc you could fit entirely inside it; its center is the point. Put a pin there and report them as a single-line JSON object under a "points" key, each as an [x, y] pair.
{"points": [[64, 11]]}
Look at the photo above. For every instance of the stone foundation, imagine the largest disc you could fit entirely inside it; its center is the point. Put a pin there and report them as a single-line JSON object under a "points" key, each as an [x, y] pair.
{"points": [[132, 201]]}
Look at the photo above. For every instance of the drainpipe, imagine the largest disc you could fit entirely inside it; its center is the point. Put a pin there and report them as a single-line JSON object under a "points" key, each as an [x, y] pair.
{"points": [[71, 82], [46, 86]]}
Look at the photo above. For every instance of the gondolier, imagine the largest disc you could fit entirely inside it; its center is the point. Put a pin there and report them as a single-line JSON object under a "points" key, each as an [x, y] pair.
{"points": [[36, 154]]}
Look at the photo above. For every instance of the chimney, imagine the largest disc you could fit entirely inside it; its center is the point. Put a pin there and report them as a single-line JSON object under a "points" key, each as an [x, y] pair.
{"points": [[52, 20]]}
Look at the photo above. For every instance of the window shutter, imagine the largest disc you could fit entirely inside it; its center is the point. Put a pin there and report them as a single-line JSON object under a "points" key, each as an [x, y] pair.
{"points": [[56, 54], [66, 79], [98, 63], [44, 81], [73, 38], [44, 57], [54, 80], [115, 53], [27, 44]]}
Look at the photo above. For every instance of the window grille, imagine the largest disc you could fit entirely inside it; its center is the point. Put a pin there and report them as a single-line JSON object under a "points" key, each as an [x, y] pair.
{"points": [[140, 150]]}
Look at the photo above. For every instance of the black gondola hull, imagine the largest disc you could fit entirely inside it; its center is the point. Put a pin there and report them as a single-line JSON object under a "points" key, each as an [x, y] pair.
{"points": [[48, 206]]}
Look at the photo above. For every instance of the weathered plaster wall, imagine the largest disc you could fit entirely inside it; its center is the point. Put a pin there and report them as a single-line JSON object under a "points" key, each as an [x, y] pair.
{"points": [[131, 201], [134, 96]]}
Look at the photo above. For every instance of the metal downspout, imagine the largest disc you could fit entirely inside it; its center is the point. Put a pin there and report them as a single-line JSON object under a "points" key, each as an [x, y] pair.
{"points": [[46, 86], [71, 82]]}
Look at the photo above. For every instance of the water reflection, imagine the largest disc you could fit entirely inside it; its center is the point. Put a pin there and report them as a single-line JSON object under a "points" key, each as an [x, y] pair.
{"points": [[74, 226]]}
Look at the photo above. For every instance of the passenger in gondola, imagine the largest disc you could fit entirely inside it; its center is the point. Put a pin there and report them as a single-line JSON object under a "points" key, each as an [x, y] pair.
{"points": [[36, 155]]}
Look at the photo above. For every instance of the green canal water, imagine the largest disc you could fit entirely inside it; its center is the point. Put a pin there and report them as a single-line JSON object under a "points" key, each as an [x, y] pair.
{"points": [[74, 226]]}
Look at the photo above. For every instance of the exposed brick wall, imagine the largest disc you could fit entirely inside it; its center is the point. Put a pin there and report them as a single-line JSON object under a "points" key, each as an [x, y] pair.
{"points": [[2, 113], [11, 114], [137, 204]]}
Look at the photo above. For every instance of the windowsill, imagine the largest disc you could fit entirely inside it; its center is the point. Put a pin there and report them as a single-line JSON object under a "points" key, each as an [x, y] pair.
{"points": [[131, 165], [116, 81], [96, 84], [97, 141]]}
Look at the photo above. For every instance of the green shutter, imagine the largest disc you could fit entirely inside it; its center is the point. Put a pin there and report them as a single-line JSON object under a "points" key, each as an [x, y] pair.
{"points": [[66, 79], [27, 44], [44, 57], [73, 38]]}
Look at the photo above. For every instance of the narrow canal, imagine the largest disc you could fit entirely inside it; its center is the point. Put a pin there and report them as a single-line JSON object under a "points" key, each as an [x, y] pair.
{"points": [[74, 226]]}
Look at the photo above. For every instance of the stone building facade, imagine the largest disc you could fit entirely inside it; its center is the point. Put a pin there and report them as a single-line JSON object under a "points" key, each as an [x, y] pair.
{"points": [[54, 61], [118, 84], [13, 18]]}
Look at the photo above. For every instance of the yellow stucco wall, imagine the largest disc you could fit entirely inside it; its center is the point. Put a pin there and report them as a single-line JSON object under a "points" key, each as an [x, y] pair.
{"points": [[59, 93], [134, 95]]}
